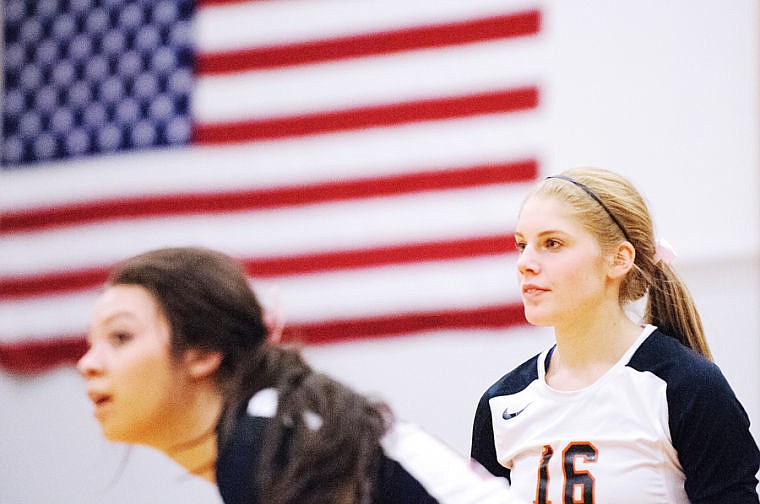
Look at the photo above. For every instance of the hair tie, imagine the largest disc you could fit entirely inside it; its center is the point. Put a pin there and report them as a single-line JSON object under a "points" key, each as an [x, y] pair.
{"points": [[663, 251], [273, 318]]}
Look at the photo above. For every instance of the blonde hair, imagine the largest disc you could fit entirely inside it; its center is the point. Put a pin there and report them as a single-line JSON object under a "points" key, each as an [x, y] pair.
{"points": [[613, 211]]}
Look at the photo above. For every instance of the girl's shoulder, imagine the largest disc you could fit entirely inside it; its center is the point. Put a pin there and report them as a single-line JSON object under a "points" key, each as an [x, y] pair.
{"points": [[676, 364], [518, 378]]}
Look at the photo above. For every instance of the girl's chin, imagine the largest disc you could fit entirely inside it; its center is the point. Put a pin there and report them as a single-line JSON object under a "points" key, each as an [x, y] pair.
{"points": [[538, 319], [119, 435], [112, 436]]}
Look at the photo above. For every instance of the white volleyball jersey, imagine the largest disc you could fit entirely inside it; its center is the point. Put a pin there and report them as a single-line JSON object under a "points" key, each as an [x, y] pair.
{"points": [[661, 426]]}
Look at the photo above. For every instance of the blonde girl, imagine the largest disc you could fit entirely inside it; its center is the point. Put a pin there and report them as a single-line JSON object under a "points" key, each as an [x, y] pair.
{"points": [[615, 410]]}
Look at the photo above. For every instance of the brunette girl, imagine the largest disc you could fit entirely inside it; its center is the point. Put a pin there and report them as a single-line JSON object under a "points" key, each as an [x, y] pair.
{"points": [[180, 359]]}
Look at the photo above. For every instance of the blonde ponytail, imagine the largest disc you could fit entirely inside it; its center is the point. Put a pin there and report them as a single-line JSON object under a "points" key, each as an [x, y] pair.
{"points": [[671, 308]]}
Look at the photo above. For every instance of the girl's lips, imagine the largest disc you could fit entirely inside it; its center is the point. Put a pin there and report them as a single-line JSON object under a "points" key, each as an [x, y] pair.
{"points": [[98, 398], [101, 401], [532, 290]]}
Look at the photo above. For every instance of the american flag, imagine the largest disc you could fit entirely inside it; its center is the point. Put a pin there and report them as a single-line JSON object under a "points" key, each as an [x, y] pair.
{"points": [[365, 160]]}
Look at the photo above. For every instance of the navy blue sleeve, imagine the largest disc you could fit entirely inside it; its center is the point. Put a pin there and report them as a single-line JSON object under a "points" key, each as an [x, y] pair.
{"points": [[711, 434], [237, 460], [396, 486], [483, 449], [708, 425]]}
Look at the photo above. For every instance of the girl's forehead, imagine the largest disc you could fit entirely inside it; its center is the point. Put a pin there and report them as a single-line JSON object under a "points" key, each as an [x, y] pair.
{"points": [[132, 305], [540, 212], [125, 299]]}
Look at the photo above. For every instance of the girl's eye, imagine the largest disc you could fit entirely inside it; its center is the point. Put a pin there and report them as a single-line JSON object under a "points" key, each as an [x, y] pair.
{"points": [[552, 243], [520, 246], [119, 338]]}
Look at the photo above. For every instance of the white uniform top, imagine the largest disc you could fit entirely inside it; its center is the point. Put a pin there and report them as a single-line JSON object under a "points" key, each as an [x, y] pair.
{"points": [[448, 477], [662, 425]]}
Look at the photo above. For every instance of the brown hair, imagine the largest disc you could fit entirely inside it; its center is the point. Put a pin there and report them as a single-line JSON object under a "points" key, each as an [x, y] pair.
{"points": [[617, 212], [210, 305]]}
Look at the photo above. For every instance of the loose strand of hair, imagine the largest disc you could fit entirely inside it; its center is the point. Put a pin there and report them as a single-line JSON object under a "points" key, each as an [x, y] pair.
{"points": [[301, 464], [329, 463]]}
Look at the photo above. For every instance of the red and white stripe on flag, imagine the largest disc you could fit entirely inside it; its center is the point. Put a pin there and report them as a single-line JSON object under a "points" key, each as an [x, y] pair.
{"points": [[365, 160]]}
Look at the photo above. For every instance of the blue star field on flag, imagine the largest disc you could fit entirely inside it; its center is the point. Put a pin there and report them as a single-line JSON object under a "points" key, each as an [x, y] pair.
{"points": [[94, 76]]}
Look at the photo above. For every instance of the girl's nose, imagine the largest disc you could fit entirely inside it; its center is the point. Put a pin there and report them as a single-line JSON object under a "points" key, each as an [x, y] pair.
{"points": [[526, 262], [89, 363]]}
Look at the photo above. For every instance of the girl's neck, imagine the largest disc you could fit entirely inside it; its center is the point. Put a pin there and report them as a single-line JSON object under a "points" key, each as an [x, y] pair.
{"points": [[198, 455], [195, 445], [588, 348]]}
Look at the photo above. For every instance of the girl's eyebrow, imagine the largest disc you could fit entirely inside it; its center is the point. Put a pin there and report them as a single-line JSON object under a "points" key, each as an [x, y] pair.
{"points": [[119, 314], [111, 317], [544, 233]]}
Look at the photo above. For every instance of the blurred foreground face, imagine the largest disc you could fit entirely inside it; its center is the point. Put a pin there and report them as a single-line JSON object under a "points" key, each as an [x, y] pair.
{"points": [[560, 270], [131, 378]]}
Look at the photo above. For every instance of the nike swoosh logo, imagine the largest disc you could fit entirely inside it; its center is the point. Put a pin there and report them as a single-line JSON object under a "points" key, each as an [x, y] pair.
{"points": [[508, 416]]}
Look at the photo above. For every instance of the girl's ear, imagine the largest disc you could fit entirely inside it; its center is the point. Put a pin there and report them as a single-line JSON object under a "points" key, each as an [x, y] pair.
{"points": [[622, 260], [202, 363]]}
